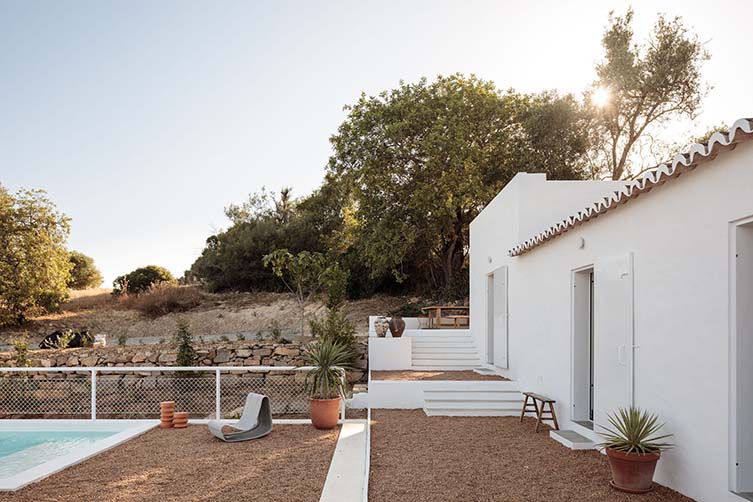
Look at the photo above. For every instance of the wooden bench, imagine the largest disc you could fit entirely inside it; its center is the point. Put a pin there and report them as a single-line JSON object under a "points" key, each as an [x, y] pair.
{"points": [[459, 320], [539, 404]]}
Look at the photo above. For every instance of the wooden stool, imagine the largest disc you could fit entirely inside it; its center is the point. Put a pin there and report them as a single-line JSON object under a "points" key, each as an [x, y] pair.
{"points": [[541, 412]]}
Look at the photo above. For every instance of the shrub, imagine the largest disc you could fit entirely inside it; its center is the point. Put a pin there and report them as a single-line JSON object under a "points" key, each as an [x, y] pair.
{"points": [[84, 274], [335, 327], [336, 284], [184, 342], [122, 339], [141, 279], [163, 298], [21, 351], [328, 358]]}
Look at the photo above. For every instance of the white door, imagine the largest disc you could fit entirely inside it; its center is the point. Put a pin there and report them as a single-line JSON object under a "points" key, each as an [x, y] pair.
{"points": [[613, 336], [500, 317], [490, 319]]}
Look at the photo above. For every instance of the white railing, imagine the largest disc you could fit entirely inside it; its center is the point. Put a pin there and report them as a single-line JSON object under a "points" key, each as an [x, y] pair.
{"points": [[136, 391]]}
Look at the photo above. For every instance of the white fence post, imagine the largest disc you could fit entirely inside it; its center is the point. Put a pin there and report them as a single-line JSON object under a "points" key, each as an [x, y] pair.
{"points": [[217, 393], [94, 393]]}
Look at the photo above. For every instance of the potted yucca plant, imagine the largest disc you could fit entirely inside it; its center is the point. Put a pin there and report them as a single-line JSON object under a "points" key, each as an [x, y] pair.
{"points": [[326, 381], [633, 448]]}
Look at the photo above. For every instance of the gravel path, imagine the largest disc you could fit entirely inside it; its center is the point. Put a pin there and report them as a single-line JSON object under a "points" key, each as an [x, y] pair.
{"points": [[434, 375], [190, 465], [422, 459]]}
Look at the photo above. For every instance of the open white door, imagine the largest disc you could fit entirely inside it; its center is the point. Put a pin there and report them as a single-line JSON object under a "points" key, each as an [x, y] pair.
{"points": [[613, 336], [500, 317]]}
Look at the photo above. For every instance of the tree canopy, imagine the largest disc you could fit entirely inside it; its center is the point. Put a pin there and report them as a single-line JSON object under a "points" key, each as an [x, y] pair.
{"points": [[645, 85], [34, 264], [84, 274], [420, 161]]}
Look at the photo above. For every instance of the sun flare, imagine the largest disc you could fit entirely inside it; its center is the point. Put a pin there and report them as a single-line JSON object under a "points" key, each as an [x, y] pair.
{"points": [[601, 96]]}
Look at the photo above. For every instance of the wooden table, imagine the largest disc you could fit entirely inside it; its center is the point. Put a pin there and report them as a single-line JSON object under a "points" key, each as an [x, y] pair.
{"points": [[435, 315]]}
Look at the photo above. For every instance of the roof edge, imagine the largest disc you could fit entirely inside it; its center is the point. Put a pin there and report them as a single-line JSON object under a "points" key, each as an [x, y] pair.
{"points": [[741, 130]]}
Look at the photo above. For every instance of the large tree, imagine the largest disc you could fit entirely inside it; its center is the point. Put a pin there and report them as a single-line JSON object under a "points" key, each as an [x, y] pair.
{"points": [[423, 159], [34, 265], [639, 88]]}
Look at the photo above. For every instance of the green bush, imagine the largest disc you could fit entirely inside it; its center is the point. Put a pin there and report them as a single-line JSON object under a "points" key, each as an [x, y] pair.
{"points": [[141, 279], [335, 327], [411, 309], [184, 341], [336, 284], [83, 272], [21, 351]]}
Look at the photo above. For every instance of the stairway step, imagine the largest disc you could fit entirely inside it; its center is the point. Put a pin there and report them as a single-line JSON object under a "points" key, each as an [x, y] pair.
{"points": [[572, 440], [443, 341], [420, 333], [471, 405], [447, 355], [443, 412], [444, 350], [496, 396]]}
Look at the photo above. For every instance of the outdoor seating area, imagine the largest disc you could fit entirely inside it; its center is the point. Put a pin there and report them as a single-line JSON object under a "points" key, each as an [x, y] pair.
{"points": [[447, 316]]}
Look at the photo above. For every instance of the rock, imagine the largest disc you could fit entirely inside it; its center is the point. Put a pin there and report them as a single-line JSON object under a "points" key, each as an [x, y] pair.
{"points": [[72, 361], [46, 363], [263, 352], [252, 362], [91, 360], [168, 357], [138, 357], [223, 356], [243, 353], [284, 351]]}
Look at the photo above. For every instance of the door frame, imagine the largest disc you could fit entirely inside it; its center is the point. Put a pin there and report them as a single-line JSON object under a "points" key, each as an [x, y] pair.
{"points": [[490, 318], [733, 353], [575, 329]]}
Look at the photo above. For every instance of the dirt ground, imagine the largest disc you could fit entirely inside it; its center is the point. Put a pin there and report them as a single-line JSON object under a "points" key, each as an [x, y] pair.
{"points": [[434, 375], [219, 314], [428, 459], [191, 465]]}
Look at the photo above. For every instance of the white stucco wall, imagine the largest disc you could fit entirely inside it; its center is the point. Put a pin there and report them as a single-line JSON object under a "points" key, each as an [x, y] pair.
{"points": [[679, 235]]}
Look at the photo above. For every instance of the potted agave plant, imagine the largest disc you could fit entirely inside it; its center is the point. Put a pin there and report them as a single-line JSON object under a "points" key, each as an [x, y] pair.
{"points": [[633, 448], [326, 381]]}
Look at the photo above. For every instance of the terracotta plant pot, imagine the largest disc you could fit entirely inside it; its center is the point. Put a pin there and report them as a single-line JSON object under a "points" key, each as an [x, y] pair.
{"points": [[397, 326], [632, 472], [325, 413]]}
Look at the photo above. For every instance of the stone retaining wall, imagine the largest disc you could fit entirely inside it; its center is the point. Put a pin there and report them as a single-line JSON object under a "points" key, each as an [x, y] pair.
{"points": [[220, 354]]}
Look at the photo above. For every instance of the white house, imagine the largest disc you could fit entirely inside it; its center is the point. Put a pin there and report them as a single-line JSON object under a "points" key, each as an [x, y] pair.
{"points": [[606, 294]]}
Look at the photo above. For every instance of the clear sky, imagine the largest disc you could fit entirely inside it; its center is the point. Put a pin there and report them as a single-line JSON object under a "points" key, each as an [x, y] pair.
{"points": [[143, 119]]}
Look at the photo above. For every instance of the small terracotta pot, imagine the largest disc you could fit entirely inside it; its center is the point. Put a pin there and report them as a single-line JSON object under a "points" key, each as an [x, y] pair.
{"points": [[325, 413], [167, 404], [397, 326], [632, 472]]}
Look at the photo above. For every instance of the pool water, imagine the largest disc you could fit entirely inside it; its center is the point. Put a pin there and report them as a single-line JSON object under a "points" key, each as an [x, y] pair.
{"points": [[22, 450]]}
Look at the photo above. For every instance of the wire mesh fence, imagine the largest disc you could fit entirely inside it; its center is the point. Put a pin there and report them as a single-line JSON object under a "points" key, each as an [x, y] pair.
{"points": [[204, 392]]}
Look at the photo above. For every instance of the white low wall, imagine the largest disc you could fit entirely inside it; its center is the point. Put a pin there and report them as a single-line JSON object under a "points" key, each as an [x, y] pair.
{"points": [[390, 353], [409, 394]]}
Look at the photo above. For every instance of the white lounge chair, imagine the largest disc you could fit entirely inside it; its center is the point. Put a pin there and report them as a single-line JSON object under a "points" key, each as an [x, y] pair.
{"points": [[255, 422]]}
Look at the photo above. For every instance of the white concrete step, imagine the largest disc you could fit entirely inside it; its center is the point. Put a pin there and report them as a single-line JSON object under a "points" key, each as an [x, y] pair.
{"points": [[491, 412], [421, 333], [472, 405], [444, 350], [450, 364], [446, 355], [572, 440], [491, 396], [442, 340]]}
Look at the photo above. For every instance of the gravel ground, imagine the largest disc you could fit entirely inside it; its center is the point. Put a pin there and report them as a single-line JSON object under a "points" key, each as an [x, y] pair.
{"points": [[190, 465], [421, 459], [434, 375]]}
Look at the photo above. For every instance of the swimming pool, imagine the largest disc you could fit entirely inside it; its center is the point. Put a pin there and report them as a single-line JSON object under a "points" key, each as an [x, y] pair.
{"points": [[33, 449]]}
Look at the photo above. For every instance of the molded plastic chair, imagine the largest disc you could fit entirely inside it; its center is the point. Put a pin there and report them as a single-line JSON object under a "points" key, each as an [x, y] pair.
{"points": [[255, 422]]}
